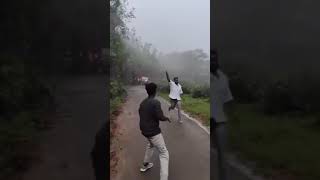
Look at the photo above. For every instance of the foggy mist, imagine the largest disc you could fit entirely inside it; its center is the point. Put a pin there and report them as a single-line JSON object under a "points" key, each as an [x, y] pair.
{"points": [[178, 25]]}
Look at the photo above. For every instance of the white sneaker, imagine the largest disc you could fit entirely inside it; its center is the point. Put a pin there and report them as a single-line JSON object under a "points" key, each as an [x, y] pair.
{"points": [[145, 168], [180, 121]]}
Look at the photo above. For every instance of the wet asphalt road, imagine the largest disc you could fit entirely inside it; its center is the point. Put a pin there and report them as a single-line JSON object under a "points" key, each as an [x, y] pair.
{"points": [[187, 143], [64, 153]]}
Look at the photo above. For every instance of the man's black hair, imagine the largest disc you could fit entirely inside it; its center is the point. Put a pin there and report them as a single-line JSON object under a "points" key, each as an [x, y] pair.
{"points": [[151, 88], [213, 58]]}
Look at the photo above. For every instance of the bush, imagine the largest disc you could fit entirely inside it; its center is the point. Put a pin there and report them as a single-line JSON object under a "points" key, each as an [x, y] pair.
{"points": [[23, 98], [245, 91], [201, 92], [278, 99], [186, 87], [21, 89], [116, 89]]}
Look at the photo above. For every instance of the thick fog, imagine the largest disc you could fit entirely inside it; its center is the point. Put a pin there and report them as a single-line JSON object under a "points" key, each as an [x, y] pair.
{"points": [[177, 25], [179, 31]]}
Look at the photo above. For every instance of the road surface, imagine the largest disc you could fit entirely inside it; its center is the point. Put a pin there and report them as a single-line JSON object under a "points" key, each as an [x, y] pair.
{"points": [[187, 143], [65, 151]]}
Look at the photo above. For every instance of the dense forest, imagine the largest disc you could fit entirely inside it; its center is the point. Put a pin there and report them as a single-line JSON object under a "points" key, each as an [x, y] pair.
{"points": [[275, 41], [39, 41]]}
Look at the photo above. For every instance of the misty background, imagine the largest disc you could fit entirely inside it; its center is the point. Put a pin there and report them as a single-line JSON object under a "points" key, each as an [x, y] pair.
{"points": [[173, 25], [173, 36]]}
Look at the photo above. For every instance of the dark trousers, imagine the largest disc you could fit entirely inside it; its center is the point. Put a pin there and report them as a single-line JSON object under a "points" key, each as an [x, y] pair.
{"points": [[219, 143]]}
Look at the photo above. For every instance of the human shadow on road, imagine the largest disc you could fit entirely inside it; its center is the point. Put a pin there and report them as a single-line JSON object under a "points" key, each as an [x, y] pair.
{"points": [[100, 153]]}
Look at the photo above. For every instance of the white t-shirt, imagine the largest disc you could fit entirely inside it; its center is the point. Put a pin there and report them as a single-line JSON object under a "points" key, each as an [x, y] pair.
{"points": [[175, 90], [220, 94]]}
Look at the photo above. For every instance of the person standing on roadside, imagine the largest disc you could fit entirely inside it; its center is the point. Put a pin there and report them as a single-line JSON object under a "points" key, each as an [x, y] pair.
{"points": [[220, 97]]}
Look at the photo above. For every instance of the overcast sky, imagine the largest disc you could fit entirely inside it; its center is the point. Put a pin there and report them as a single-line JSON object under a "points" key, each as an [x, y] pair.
{"points": [[173, 25]]}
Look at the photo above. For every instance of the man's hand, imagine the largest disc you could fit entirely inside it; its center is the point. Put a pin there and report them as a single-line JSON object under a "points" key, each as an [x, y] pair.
{"points": [[168, 78]]}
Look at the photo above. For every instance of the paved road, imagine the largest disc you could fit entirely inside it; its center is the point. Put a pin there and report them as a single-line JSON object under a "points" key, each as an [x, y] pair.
{"points": [[65, 151], [187, 143]]}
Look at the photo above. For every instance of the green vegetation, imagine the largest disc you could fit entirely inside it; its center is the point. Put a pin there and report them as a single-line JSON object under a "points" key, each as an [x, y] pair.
{"points": [[14, 136], [117, 95], [195, 100], [275, 123], [276, 143], [24, 99], [198, 107]]}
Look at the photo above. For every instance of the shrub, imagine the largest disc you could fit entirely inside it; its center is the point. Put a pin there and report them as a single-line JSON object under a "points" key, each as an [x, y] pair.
{"points": [[201, 92], [244, 90], [278, 99], [116, 89], [186, 87], [21, 89]]}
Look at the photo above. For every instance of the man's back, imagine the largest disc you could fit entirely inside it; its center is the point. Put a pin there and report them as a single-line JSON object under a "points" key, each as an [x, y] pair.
{"points": [[150, 113]]}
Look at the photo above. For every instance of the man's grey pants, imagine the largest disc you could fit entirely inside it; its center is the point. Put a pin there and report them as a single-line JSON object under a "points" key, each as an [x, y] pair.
{"points": [[157, 142]]}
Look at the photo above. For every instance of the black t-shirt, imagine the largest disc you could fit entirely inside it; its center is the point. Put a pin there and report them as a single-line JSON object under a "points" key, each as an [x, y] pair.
{"points": [[150, 114]]}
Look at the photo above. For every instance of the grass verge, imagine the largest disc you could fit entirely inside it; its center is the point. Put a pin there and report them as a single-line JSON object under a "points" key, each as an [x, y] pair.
{"points": [[115, 110], [18, 138], [281, 146], [198, 107]]}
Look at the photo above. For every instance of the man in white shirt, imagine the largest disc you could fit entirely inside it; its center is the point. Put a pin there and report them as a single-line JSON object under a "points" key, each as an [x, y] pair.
{"points": [[175, 92], [220, 96]]}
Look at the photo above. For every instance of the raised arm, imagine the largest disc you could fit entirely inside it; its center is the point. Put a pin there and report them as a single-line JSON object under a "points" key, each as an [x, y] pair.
{"points": [[167, 76]]}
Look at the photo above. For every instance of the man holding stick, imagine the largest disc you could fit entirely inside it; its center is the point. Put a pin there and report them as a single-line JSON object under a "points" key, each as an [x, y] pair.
{"points": [[175, 92]]}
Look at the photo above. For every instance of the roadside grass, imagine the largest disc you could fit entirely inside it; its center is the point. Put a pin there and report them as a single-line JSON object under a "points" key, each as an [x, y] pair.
{"points": [[116, 103], [198, 107], [115, 109], [16, 136], [276, 144]]}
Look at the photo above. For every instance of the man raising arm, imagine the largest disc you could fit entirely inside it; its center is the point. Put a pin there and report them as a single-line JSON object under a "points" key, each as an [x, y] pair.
{"points": [[175, 92]]}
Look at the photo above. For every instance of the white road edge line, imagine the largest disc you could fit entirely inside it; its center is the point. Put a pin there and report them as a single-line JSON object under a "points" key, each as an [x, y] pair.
{"points": [[231, 159], [206, 129]]}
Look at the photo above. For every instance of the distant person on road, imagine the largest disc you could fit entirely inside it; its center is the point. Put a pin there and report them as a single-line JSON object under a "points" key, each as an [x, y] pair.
{"points": [[175, 92], [220, 97], [150, 114]]}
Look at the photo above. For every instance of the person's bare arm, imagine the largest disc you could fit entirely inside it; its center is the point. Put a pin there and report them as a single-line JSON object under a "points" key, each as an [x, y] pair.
{"points": [[168, 78]]}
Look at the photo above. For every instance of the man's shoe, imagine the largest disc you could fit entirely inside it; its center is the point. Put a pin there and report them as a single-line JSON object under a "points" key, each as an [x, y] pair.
{"points": [[180, 121], [144, 168]]}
